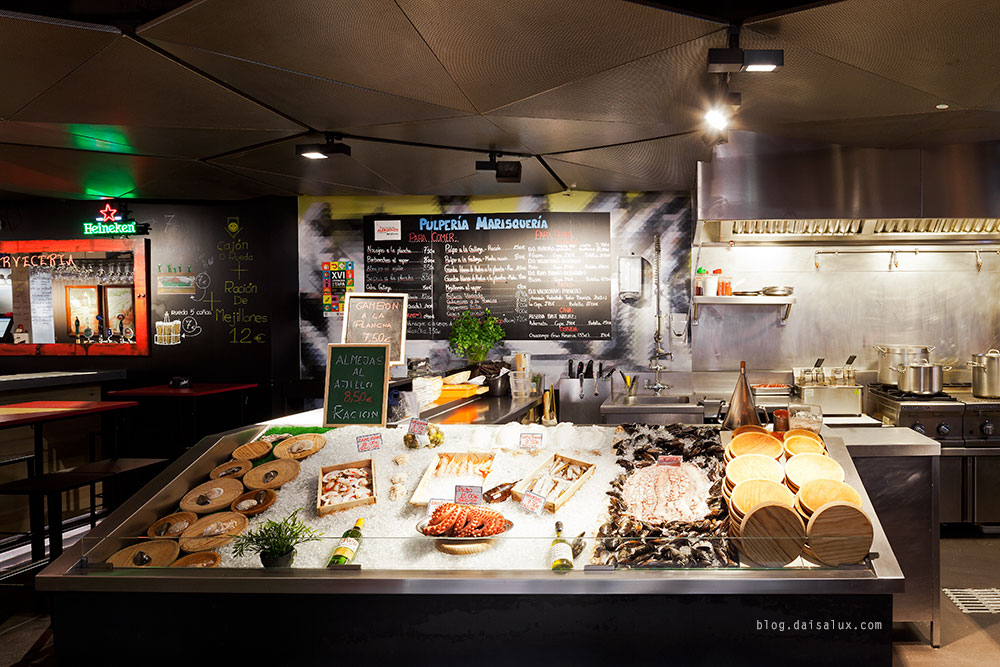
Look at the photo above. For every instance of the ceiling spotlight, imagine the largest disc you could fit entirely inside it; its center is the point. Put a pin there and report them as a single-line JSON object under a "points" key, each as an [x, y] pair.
{"points": [[507, 172], [323, 151], [941, 106], [735, 59], [716, 119]]}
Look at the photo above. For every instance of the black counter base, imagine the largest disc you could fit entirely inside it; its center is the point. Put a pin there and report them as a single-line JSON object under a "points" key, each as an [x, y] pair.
{"points": [[416, 630]]}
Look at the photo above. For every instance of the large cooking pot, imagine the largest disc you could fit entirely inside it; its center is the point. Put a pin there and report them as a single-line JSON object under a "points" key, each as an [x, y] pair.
{"points": [[921, 377], [986, 374], [892, 356]]}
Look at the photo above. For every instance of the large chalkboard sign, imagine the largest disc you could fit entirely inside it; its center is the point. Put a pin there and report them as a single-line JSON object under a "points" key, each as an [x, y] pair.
{"points": [[377, 318], [357, 385], [546, 275]]}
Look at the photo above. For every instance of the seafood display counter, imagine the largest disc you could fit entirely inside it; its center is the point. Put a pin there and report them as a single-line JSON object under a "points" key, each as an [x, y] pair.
{"points": [[664, 549]]}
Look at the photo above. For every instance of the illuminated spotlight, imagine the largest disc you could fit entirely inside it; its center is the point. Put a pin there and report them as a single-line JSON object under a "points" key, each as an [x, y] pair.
{"points": [[323, 151], [941, 106], [735, 59], [716, 119]]}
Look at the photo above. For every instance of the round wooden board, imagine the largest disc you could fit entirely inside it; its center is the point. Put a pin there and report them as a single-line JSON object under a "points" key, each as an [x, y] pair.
{"points": [[772, 535], [189, 517], [803, 432], [161, 553], [252, 451], [191, 539], [199, 559], [749, 428], [269, 499], [800, 444], [839, 533], [317, 440], [287, 470], [753, 492], [755, 443], [463, 548], [230, 489], [803, 468], [818, 492], [753, 466], [241, 465]]}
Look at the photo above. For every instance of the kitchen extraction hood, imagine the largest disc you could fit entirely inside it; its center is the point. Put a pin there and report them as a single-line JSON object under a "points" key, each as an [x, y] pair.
{"points": [[766, 189]]}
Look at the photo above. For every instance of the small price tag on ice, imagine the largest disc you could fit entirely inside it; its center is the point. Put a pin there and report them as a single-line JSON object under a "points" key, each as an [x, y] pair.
{"points": [[418, 427], [531, 440], [533, 502], [369, 443], [668, 460], [435, 503], [468, 495]]}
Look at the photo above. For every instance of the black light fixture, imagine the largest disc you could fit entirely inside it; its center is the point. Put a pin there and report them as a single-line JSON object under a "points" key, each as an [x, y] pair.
{"points": [[507, 172], [734, 59], [333, 146]]}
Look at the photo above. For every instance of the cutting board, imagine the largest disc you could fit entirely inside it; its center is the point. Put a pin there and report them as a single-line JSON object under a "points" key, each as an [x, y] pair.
{"points": [[839, 533], [800, 444], [818, 492], [192, 540], [160, 552], [755, 443], [286, 469], [803, 468], [231, 488], [772, 535], [753, 492], [753, 466]]}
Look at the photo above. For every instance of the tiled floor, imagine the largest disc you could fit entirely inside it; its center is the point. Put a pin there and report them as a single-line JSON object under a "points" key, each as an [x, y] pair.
{"points": [[972, 640]]}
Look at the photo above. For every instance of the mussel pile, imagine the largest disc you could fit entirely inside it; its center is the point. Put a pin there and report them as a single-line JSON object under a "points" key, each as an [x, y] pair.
{"points": [[627, 541]]}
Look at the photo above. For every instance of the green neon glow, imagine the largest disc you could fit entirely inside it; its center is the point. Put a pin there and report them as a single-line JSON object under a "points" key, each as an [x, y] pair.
{"points": [[114, 228], [107, 138]]}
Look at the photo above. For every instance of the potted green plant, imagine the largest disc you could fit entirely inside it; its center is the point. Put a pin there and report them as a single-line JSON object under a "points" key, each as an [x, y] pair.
{"points": [[473, 337], [275, 541]]}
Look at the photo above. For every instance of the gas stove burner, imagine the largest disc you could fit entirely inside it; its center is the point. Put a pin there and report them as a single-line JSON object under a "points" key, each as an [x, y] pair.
{"points": [[893, 392]]}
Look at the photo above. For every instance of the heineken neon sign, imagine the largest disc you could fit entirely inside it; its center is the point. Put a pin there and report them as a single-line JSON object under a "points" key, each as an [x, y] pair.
{"points": [[109, 221]]}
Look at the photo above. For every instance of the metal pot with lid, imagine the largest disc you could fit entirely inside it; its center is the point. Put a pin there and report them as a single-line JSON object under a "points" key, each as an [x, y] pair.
{"points": [[986, 374], [921, 377], [893, 356]]}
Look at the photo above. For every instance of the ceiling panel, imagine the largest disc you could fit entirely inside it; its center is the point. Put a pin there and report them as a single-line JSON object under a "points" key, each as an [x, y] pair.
{"points": [[305, 186], [129, 84], [465, 131], [535, 180], [158, 141], [500, 52], [670, 89], [549, 135], [947, 48], [659, 164], [367, 43], [37, 52], [197, 180]]}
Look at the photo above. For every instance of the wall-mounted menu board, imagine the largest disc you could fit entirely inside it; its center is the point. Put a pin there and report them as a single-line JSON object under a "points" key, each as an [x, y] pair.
{"points": [[546, 275], [357, 385], [377, 318]]}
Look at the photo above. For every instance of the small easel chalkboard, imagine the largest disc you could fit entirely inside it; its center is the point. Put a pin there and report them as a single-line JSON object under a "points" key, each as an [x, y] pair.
{"points": [[357, 385], [374, 317]]}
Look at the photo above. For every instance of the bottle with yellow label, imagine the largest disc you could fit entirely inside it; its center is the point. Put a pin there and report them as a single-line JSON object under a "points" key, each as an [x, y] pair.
{"points": [[561, 552], [350, 542]]}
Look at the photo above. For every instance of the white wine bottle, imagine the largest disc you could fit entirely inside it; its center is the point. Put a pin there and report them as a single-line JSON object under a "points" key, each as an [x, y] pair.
{"points": [[561, 552], [349, 545]]}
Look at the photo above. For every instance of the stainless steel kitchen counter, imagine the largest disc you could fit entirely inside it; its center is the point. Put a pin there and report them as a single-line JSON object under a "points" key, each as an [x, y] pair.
{"points": [[887, 441]]}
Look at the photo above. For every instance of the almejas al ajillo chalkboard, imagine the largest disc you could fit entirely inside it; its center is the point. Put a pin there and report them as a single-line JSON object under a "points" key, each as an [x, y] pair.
{"points": [[546, 275]]}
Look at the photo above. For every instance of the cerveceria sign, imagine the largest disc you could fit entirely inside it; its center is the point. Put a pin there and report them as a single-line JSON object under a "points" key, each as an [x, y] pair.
{"points": [[108, 221]]}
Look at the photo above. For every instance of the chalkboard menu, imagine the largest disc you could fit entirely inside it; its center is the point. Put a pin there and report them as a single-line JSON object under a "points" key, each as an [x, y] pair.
{"points": [[377, 318], [357, 385], [547, 276]]}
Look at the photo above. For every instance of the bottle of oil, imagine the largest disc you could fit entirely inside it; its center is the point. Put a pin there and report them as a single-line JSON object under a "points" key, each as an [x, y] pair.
{"points": [[561, 552], [350, 542]]}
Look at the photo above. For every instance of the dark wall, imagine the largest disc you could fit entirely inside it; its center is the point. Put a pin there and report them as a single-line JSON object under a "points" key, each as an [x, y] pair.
{"points": [[241, 324]]}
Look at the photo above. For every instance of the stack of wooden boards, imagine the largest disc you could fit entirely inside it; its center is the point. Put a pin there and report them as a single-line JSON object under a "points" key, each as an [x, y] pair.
{"points": [[787, 498]]}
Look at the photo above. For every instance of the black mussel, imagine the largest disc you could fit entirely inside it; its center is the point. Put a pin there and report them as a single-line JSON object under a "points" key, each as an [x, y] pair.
{"points": [[230, 471], [270, 475], [260, 496], [578, 544], [203, 500], [162, 529], [141, 558]]}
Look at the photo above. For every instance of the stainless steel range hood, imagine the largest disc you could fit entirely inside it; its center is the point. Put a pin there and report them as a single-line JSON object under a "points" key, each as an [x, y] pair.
{"points": [[759, 188]]}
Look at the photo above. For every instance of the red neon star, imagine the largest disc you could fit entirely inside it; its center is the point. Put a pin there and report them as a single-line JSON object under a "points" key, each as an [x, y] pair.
{"points": [[108, 213]]}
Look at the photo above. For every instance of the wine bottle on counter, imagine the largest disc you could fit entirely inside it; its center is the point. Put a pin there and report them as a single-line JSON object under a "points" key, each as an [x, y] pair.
{"points": [[350, 542], [561, 552]]}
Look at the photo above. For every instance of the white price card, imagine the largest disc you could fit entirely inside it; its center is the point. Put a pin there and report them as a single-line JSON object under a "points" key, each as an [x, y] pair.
{"points": [[435, 503], [418, 427], [468, 495], [369, 443], [533, 502], [531, 440], [665, 460]]}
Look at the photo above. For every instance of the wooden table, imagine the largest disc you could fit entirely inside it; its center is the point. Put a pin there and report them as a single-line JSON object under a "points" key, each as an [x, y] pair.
{"points": [[37, 413]]}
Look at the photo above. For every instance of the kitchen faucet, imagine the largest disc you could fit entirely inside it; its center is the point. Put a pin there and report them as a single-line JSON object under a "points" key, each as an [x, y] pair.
{"points": [[658, 351]]}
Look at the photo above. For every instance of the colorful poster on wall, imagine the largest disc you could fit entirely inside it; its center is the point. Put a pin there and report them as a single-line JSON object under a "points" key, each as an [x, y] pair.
{"points": [[338, 280], [82, 303]]}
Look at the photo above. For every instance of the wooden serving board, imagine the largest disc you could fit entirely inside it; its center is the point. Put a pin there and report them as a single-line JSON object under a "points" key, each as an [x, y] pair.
{"points": [[772, 535], [749, 428], [317, 440], [269, 498], [463, 548], [803, 468], [371, 500], [199, 559], [803, 432], [287, 470], [191, 539], [189, 517], [553, 505], [755, 443], [818, 492], [753, 466], [800, 444], [839, 533], [753, 492], [161, 553], [243, 466], [231, 488], [252, 451]]}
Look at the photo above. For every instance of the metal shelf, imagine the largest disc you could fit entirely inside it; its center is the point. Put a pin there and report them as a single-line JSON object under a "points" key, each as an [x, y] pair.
{"points": [[786, 301]]}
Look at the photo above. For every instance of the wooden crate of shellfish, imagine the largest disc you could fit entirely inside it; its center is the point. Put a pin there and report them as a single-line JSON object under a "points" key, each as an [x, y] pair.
{"points": [[323, 510], [553, 505]]}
